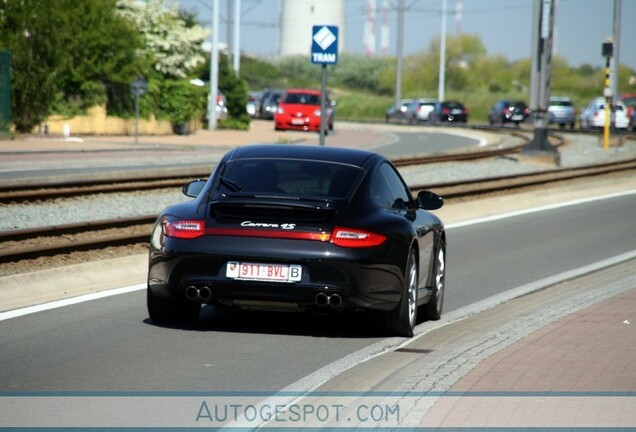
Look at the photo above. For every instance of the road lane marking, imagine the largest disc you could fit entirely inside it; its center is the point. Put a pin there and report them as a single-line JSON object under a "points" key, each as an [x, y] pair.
{"points": [[69, 301]]}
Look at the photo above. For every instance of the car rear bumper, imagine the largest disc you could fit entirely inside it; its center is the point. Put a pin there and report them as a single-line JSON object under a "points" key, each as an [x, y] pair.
{"points": [[356, 277], [306, 124]]}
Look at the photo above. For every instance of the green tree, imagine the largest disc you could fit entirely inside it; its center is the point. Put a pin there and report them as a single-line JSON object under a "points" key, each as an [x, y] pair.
{"points": [[35, 34], [66, 55], [179, 101], [170, 38], [235, 91], [103, 54]]}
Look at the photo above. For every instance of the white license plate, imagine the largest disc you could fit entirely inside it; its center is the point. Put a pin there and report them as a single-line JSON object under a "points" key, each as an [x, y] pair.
{"points": [[517, 117], [457, 111], [298, 121], [263, 272]]}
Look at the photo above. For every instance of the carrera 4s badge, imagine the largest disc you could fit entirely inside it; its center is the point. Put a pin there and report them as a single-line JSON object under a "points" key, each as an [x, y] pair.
{"points": [[285, 226]]}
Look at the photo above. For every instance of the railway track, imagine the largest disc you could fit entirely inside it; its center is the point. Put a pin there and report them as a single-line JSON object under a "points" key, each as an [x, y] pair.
{"points": [[34, 243]]}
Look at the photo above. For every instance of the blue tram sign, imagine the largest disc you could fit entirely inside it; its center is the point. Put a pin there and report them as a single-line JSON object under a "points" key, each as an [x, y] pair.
{"points": [[324, 45]]}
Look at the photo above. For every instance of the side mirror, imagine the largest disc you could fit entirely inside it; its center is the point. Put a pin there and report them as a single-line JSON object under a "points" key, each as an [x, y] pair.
{"points": [[194, 188], [428, 200]]}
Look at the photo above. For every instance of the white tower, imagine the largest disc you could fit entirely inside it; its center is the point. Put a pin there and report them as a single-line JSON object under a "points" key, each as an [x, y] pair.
{"points": [[369, 30], [299, 16]]}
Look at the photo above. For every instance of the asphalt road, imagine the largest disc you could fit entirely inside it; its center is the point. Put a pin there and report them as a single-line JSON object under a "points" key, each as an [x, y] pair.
{"points": [[109, 345]]}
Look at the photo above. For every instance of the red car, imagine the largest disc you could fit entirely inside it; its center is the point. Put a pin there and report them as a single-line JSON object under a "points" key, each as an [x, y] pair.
{"points": [[629, 99], [299, 109]]}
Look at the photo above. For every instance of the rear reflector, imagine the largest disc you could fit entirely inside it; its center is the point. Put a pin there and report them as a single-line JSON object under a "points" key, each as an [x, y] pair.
{"points": [[343, 237], [353, 238], [280, 234], [185, 229]]}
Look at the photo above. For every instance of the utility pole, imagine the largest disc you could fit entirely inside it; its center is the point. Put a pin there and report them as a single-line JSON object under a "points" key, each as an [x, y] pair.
{"points": [[214, 67], [399, 53], [237, 37], [442, 56], [543, 26]]}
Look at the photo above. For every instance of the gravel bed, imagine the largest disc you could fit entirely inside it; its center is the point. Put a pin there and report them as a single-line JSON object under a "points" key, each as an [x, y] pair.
{"points": [[586, 150]]}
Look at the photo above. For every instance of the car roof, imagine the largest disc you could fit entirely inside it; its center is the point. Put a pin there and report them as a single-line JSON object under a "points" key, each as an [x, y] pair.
{"points": [[345, 155], [305, 91]]}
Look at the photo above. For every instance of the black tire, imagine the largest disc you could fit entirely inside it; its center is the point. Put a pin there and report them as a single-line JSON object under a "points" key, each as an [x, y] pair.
{"points": [[171, 310], [433, 309], [401, 320]]}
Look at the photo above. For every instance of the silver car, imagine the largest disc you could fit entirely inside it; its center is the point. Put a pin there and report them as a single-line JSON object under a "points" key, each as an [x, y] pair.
{"points": [[424, 109], [561, 111]]}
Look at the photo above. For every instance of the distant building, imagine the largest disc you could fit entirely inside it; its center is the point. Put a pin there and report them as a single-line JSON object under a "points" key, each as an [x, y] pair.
{"points": [[299, 16]]}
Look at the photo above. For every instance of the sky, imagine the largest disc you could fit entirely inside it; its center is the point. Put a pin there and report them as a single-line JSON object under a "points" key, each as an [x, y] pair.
{"points": [[504, 26]]}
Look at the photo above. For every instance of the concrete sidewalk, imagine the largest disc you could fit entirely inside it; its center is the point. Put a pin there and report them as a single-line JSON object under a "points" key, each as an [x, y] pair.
{"points": [[563, 356]]}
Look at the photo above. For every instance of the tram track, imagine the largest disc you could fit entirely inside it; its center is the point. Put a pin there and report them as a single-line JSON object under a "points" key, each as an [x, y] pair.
{"points": [[26, 244]]}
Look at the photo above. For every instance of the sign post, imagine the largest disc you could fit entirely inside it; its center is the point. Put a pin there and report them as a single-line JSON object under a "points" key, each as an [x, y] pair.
{"points": [[138, 88], [324, 51], [607, 51]]}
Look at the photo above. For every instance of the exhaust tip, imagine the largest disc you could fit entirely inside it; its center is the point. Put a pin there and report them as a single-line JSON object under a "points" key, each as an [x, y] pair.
{"points": [[321, 299], [192, 292], [335, 300], [205, 293]]}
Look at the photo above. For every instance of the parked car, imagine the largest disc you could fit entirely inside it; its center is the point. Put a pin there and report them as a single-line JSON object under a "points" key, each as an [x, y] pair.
{"points": [[561, 111], [300, 109], [632, 121], [220, 107], [629, 99], [253, 103], [404, 112], [269, 103], [508, 111], [449, 112], [424, 109], [593, 116], [300, 228]]}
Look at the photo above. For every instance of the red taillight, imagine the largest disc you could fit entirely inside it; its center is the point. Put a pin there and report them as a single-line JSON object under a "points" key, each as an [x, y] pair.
{"points": [[354, 238], [445, 110], [184, 229]]}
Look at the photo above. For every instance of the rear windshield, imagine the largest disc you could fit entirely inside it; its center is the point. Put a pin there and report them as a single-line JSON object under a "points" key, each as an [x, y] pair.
{"points": [[630, 101], [302, 99], [454, 105], [290, 177], [561, 103]]}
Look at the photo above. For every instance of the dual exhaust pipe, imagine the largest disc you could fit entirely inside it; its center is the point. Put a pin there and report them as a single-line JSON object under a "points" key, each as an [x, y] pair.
{"points": [[333, 300], [203, 294], [199, 293]]}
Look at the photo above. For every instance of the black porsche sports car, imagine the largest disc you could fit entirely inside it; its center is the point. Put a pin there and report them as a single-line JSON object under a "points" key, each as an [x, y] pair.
{"points": [[289, 227]]}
